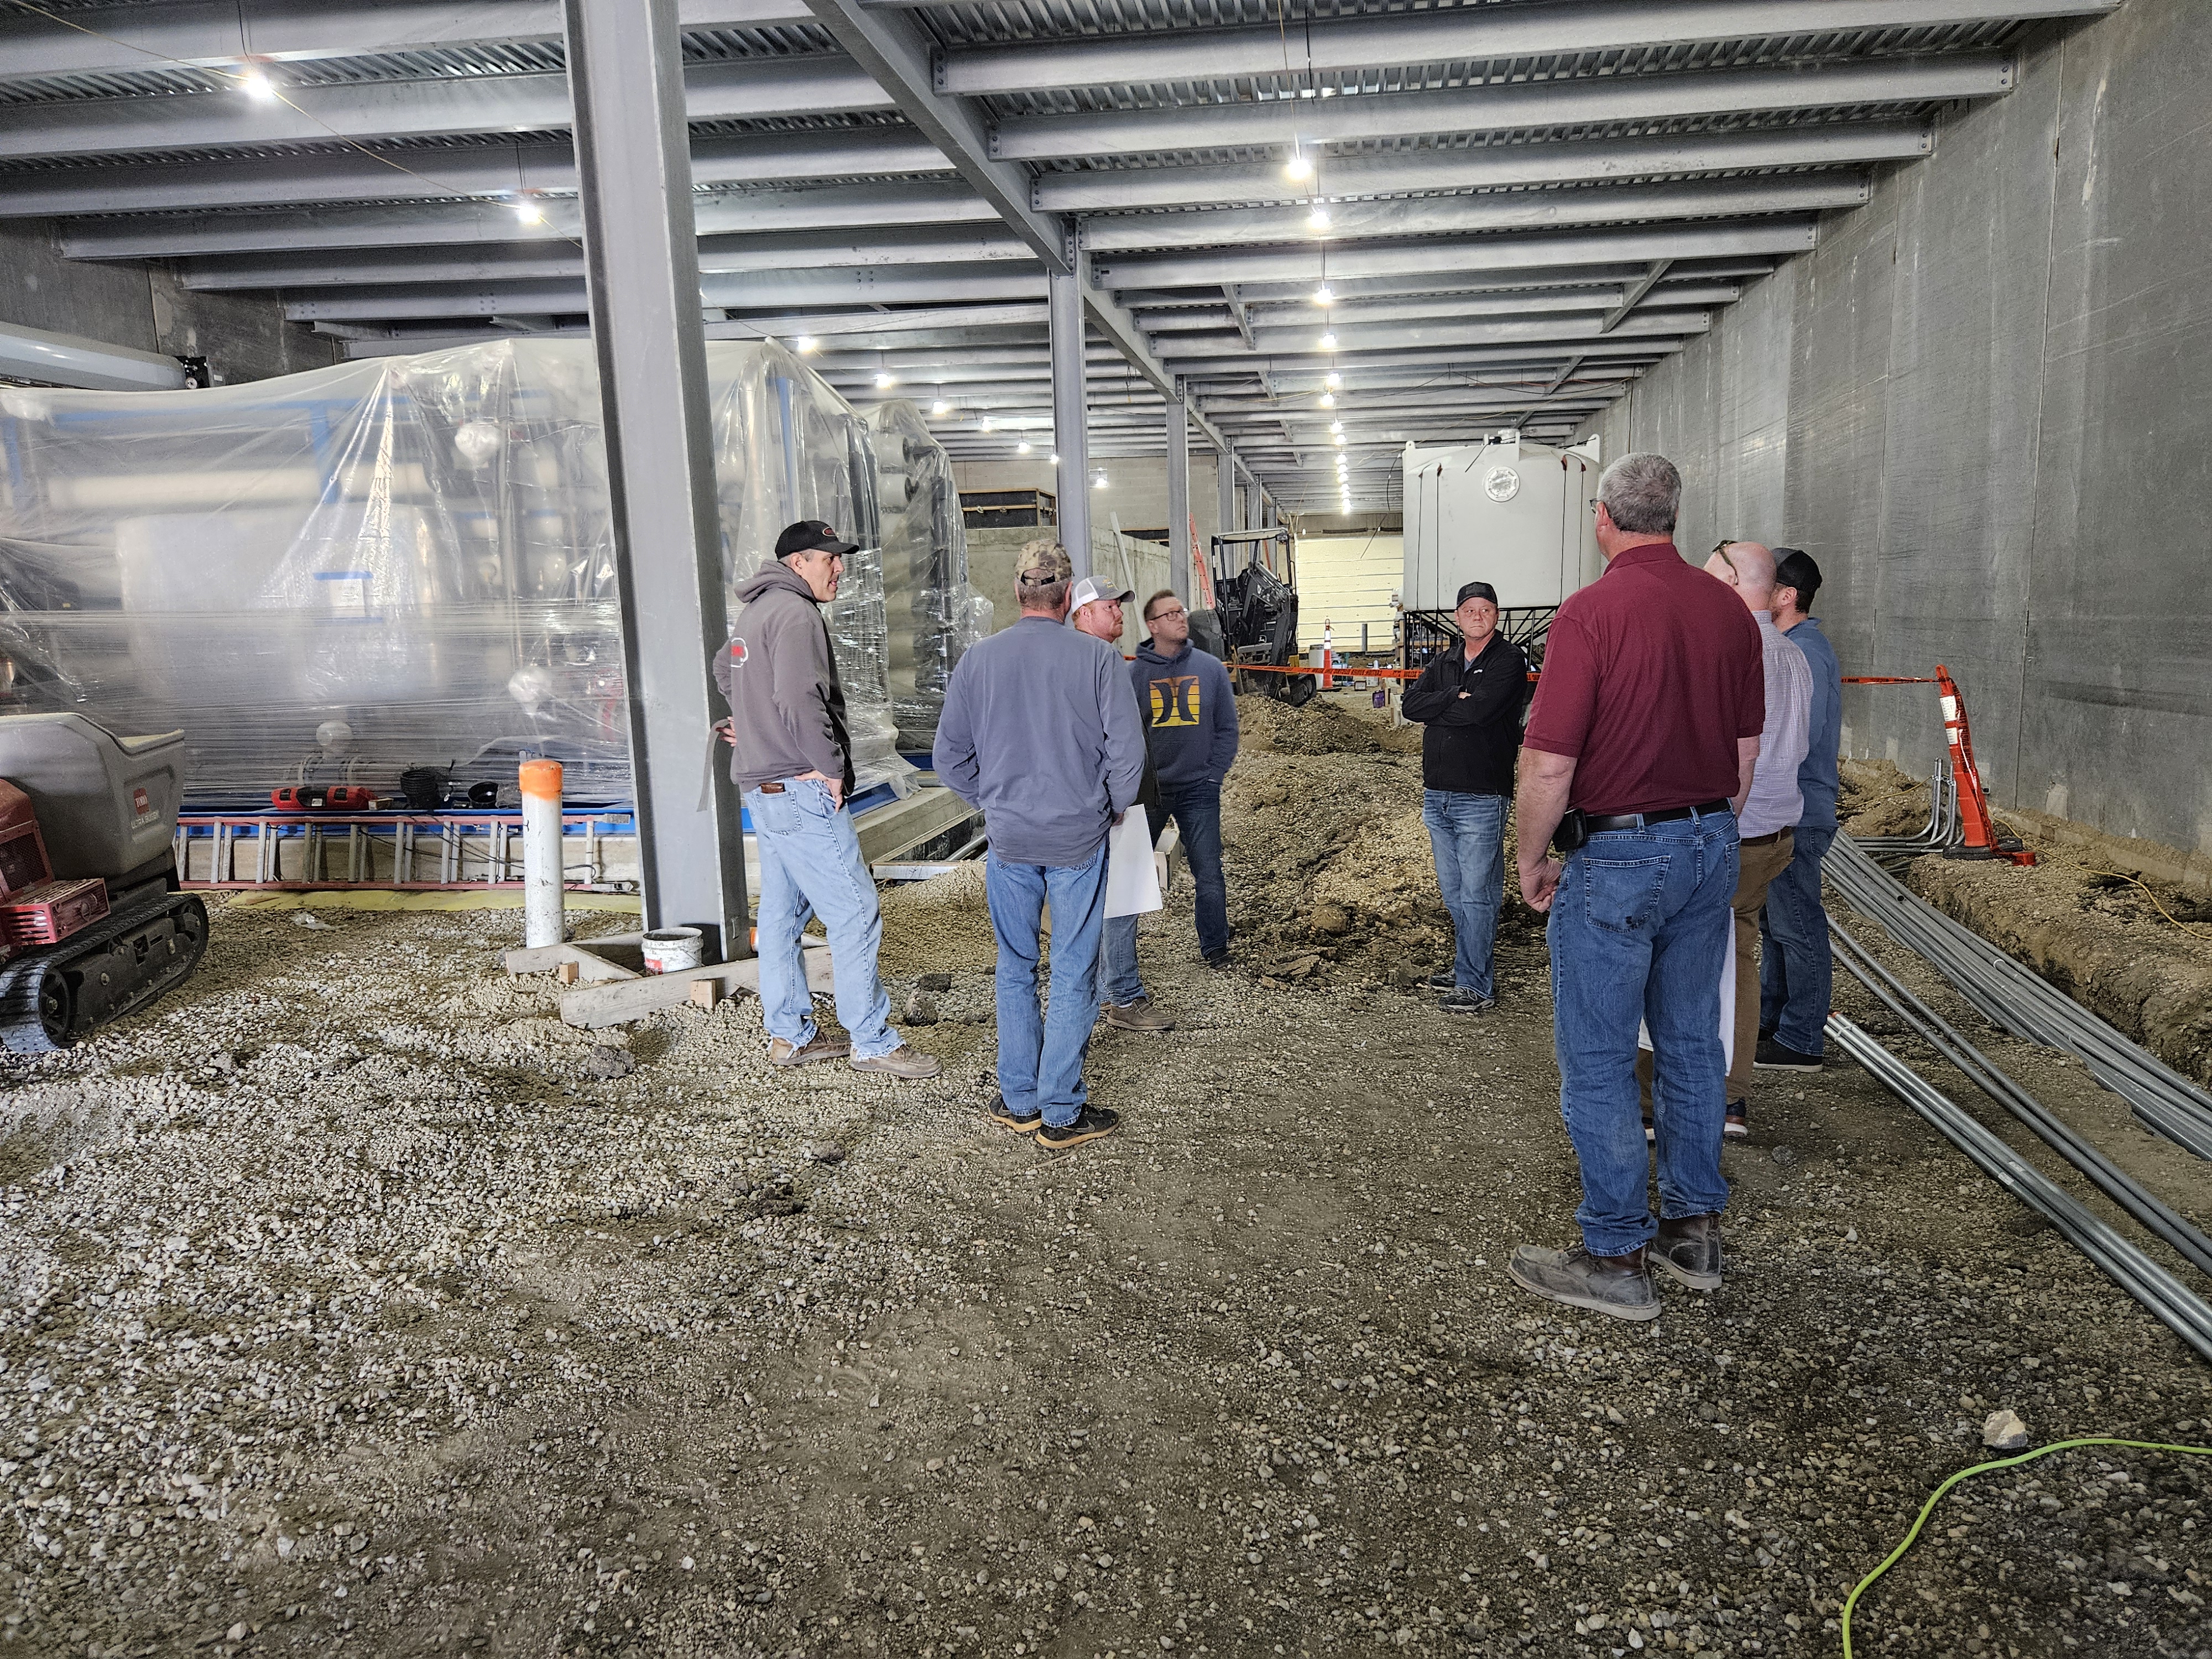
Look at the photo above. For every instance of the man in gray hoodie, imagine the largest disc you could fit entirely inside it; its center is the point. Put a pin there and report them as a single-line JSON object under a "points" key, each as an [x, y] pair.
{"points": [[1039, 732], [793, 762]]}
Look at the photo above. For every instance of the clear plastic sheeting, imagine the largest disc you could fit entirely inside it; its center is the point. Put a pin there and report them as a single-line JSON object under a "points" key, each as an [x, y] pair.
{"points": [[401, 562], [934, 613]]}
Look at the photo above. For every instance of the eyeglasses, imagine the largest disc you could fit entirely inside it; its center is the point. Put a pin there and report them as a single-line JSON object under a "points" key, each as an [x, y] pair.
{"points": [[1167, 616], [1721, 553]]}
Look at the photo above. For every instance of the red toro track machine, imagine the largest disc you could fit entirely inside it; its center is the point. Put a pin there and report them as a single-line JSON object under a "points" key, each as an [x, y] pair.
{"points": [[93, 925]]}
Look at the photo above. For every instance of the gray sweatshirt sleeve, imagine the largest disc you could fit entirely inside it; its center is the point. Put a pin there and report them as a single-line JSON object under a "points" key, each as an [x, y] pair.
{"points": [[954, 755], [799, 650], [722, 672], [1125, 734]]}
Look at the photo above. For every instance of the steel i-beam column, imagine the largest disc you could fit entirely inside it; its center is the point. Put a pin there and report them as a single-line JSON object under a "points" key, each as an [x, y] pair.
{"points": [[1224, 476], [641, 259], [1070, 434], [1178, 422]]}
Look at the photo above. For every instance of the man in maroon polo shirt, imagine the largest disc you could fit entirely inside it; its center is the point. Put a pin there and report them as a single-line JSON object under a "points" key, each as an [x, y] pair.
{"points": [[1638, 751]]}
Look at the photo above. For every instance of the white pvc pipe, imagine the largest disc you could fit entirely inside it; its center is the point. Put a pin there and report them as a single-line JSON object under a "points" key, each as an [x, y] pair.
{"points": [[542, 921]]}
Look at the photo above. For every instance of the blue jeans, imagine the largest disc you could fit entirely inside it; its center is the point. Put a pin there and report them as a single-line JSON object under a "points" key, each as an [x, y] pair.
{"points": [[1041, 1054], [1466, 833], [1640, 928], [1196, 809], [811, 865], [1796, 973]]}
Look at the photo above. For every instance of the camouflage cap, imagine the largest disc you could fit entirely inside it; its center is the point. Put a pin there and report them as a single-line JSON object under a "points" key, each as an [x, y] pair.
{"points": [[1043, 563]]}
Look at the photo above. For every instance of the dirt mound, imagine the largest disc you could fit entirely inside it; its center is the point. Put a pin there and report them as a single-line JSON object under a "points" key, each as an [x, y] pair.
{"points": [[1331, 878], [1323, 726]]}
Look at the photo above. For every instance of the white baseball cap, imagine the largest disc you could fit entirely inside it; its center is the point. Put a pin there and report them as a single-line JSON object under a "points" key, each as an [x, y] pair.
{"points": [[1091, 588]]}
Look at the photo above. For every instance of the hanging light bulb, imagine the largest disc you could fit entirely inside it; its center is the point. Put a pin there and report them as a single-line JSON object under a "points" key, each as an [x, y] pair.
{"points": [[988, 424], [1322, 297], [1329, 400], [1328, 342], [1318, 219], [1099, 483], [1022, 448], [1336, 426], [529, 212], [1300, 165], [884, 379], [805, 345], [1340, 441], [1332, 379], [940, 407], [1055, 457], [257, 86]]}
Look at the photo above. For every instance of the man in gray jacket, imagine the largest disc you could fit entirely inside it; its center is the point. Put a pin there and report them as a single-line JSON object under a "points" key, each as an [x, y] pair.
{"points": [[793, 762], [1040, 731]]}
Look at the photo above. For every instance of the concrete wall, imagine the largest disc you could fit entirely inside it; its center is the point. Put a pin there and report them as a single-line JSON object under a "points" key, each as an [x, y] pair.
{"points": [[1978, 403], [142, 306]]}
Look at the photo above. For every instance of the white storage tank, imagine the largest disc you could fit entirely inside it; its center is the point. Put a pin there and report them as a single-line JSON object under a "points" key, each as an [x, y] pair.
{"points": [[1509, 511]]}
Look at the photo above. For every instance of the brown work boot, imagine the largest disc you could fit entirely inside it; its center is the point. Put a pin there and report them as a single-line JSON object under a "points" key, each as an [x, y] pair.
{"points": [[902, 1061], [824, 1047], [1141, 1014], [1688, 1248], [1617, 1286]]}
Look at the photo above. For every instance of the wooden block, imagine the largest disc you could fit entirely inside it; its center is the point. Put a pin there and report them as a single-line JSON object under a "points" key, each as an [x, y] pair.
{"points": [[705, 993], [572, 962], [619, 1002]]}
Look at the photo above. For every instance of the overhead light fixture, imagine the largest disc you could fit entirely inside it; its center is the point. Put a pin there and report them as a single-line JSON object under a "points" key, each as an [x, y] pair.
{"points": [[1336, 426], [1300, 165], [1055, 457], [257, 85], [805, 345], [1329, 400], [1318, 219], [940, 407], [1022, 448], [988, 424], [885, 379], [1328, 342], [1099, 483], [529, 212], [1340, 441], [1332, 379], [1322, 297]]}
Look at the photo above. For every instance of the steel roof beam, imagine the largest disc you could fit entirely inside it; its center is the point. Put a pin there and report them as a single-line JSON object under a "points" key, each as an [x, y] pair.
{"points": [[501, 170], [718, 256], [1447, 283], [1474, 32], [1490, 167], [883, 285], [228, 32], [1407, 337], [896, 52], [1444, 215], [1312, 365], [751, 89], [1497, 108], [752, 213], [1462, 256]]}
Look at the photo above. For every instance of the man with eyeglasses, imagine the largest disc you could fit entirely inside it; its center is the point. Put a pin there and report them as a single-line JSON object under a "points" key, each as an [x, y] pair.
{"points": [[793, 762], [1190, 713]]}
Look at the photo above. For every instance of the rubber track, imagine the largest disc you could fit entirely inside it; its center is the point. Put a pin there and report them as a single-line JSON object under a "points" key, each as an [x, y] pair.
{"points": [[23, 1032]]}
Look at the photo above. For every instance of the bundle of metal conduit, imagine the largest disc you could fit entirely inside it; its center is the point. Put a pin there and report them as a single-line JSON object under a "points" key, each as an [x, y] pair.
{"points": [[2015, 1000]]}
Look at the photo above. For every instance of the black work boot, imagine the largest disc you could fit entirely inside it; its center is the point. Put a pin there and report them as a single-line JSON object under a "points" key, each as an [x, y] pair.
{"points": [[1617, 1286], [1688, 1248]]}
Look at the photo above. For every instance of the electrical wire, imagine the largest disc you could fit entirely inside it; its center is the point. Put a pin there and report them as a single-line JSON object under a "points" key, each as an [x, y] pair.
{"points": [[1928, 1509], [2187, 927]]}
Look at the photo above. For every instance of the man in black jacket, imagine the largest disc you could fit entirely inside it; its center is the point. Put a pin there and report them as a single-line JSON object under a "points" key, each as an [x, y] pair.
{"points": [[1471, 701]]}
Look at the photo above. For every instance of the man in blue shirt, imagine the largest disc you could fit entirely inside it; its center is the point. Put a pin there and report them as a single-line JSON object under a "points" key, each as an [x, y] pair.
{"points": [[1794, 969]]}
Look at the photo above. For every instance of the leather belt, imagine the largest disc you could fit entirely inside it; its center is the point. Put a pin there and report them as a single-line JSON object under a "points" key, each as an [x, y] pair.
{"points": [[1598, 826], [771, 789], [1766, 839]]}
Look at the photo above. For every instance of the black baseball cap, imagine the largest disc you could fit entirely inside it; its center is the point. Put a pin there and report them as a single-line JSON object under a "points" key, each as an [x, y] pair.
{"points": [[1475, 591], [811, 536]]}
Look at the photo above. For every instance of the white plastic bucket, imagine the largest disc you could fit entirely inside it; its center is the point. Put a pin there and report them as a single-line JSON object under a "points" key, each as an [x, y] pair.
{"points": [[671, 950]]}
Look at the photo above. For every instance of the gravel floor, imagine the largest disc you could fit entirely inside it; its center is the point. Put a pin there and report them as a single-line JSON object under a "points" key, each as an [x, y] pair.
{"points": [[353, 1303]]}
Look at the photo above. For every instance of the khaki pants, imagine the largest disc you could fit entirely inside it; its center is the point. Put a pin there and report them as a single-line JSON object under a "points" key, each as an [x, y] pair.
{"points": [[1758, 864]]}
